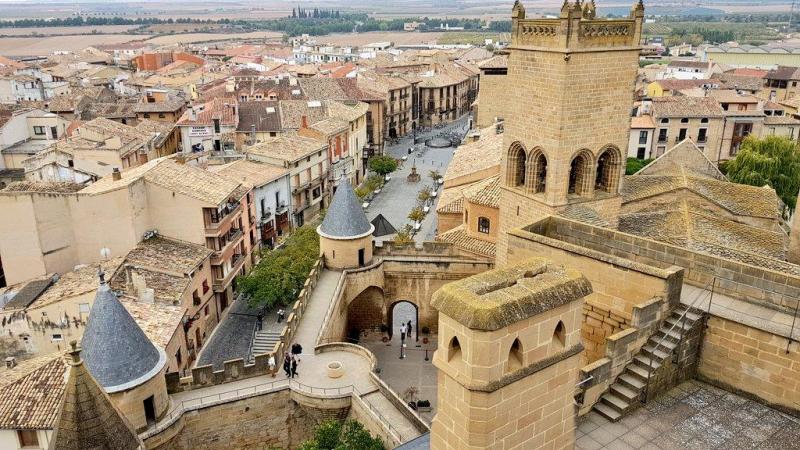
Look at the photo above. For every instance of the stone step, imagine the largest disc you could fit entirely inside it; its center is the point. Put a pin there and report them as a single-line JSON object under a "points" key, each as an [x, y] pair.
{"points": [[637, 370], [663, 345], [607, 412], [692, 314], [679, 323], [615, 402], [660, 353], [674, 334], [647, 362], [632, 381], [624, 392]]}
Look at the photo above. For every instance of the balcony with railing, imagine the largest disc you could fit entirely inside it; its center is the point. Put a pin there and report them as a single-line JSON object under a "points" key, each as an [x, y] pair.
{"points": [[220, 284], [228, 242], [218, 219]]}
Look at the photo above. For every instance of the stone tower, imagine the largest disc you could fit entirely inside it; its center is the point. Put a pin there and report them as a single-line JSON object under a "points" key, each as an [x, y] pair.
{"points": [[124, 361], [345, 235], [568, 121], [508, 357]]}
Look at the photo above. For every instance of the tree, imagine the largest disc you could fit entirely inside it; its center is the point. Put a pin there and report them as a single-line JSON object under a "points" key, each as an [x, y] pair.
{"points": [[416, 214], [382, 165], [435, 175], [633, 165], [403, 235], [773, 161], [424, 195], [347, 435], [279, 276]]}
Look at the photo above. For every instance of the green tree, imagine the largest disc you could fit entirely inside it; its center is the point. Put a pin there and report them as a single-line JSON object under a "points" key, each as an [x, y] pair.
{"points": [[773, 161], [382, 165], [403, 235], [279, 276], [348, 435], [633, 165], [416, 214]]}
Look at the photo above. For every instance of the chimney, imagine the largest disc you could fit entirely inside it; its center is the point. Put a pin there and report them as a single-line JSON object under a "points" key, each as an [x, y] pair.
{"points": [[11, 362], [116, 175], [303, 122]]}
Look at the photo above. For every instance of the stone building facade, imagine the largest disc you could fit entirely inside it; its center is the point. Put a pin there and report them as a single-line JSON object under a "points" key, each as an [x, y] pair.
{"points": [[566, 131]]}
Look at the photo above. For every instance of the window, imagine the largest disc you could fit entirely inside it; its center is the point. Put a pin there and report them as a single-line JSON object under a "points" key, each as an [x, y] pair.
{"points": [[662, 135], [28, 438], [640, 152], [580, 173], [682, 134], [702, 135], [146, 115], [514, 356], [161, 115], [178, 357], [205, 311], [84, 308], [454, 350], [483, 225], [664, 120], [315, 193], [685, 120], [560, 335], [39, 131], [643, 137], [704, 120], [516, 166], [57, 337], [608, 171], [791, 133]]}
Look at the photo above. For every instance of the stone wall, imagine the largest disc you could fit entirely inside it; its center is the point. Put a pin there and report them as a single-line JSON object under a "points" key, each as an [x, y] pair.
{"points": [[753, 362], [598, 324], [254, 423], [763, 281], [492, 103]]}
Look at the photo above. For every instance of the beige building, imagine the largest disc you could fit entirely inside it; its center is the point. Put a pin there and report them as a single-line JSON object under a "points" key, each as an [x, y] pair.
{"points": [[700, 119], [491, 104], [397, 94], [307, 161], [59, 225], [25, 132]]}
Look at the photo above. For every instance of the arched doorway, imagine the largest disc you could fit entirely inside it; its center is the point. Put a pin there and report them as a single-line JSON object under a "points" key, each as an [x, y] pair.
{"points": [[365, 313], [402, 312]]}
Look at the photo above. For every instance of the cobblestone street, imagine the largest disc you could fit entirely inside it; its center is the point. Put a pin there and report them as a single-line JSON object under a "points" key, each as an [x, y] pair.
{"points": [[693, 415], [398, 197]]}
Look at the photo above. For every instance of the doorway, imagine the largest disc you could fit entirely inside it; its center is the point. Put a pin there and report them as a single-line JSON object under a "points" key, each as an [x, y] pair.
{"points": [[401, 313], [361, 257], [150, 410]]}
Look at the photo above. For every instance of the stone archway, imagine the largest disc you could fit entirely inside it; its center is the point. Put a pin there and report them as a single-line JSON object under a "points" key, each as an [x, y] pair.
{"points": [[365, 311], [390, 318]]}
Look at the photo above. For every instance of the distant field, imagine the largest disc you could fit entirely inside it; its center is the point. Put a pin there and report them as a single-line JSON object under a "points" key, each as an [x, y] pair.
{"points": [[181, 27], [30, 46], [398, 37], [743, 32], [189, 38], [55, 31]]}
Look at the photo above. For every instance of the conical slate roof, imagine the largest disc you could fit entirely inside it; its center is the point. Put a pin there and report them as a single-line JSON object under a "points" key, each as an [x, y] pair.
{"points": [[115, 349], [345, 218], [87, 420], [382, 226]]}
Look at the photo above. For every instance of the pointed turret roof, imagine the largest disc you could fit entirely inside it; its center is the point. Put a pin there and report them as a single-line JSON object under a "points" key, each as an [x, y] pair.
{"points": [[345, 218], [87, 419], [116, 350]]}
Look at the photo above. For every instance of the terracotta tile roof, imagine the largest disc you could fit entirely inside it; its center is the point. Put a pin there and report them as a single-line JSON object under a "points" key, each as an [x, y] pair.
{"points": [[584, 214], [168, 254], [672, 84], [75, 283], [221, 108], [731, 96], [288, 148], [485, 193], [451, 200], [330, 126], [458, 236], [732, 81], [158, 320], [188, 180], [250, 172], [292, 112], [784, 73], [43, 187], [171, 105], [645, 121], [32, 401], [264, 115], [781, 120], [689, 64], [747, 72], [683, 106], [476, 156]]}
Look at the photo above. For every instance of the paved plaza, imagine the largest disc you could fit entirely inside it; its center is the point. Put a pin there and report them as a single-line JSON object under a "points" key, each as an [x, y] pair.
{"points": [[693, 415], [399, 197]]}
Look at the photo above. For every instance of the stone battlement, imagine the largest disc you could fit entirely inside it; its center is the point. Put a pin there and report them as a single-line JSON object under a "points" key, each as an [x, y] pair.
{"points": [[576, 28]]}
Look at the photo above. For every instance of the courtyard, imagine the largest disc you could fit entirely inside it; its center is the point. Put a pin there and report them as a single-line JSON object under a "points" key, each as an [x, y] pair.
{"points": [[693, 415]]}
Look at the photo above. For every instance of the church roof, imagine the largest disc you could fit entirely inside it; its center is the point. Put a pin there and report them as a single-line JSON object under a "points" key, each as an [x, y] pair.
{"points": [[684, 156], [117, 352], [485, 193], [345, 218], [87, 419], [459, 237], [500, 297]]}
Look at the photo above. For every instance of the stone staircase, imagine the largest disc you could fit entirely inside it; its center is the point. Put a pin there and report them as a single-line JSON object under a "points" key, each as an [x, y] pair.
{"points": [[263, 342], [625, 393]]}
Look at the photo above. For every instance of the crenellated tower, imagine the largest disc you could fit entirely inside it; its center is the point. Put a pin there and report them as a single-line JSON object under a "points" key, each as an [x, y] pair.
{"points": [[568, 122]]}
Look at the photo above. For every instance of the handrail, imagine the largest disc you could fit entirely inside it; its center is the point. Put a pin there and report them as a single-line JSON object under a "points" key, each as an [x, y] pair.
{"points": [[791, 330], [383, 420], [682, 322]]}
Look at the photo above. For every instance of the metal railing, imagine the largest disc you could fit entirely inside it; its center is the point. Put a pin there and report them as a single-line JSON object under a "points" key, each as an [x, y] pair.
{"points": [[682, 322], [383, 420]]}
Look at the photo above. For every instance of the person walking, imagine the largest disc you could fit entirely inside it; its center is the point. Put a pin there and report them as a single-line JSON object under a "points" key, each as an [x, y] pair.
{"points": [[408, 326], [287, 364], [271, 364], [402, 332], [294, 367], [280, 315]]}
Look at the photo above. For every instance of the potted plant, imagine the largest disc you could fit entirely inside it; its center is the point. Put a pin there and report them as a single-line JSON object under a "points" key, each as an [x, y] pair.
{"points": [[416, 215]]}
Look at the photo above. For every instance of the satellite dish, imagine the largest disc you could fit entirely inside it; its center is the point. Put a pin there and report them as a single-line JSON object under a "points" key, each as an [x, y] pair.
{"points": [[105, 252]]}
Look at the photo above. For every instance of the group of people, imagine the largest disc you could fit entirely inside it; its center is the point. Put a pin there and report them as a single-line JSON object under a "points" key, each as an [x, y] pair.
{"points": [[405, 330], [290, 360]]}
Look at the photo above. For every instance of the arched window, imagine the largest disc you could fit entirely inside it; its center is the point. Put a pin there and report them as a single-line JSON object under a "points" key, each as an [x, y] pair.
{"points": [[483, 225], [609, 168], [515, 360], [454, 350], [580, 171], [517, 162], [560, 335], [537, 172]]}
